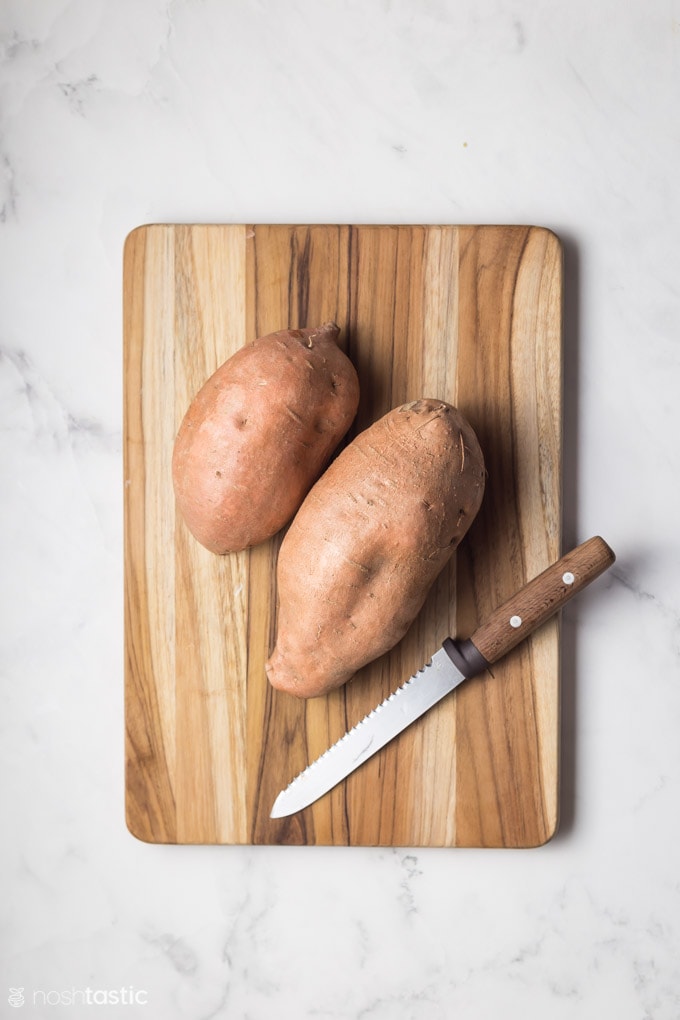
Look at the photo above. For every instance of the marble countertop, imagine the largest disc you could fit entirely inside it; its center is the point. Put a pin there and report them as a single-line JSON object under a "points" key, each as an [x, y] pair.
{"points": [[121, 112]]}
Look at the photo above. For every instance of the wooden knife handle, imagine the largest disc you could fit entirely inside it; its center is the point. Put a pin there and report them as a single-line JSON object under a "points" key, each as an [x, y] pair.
{"points": [[541, 598]]}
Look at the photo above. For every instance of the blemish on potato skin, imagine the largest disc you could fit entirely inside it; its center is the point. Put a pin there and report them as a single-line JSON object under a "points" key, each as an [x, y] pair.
{"points": [[294, 415], [355, 563]]}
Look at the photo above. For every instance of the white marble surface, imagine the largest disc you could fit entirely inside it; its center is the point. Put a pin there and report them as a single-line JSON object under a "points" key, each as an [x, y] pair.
{"points": [[120, 112]]}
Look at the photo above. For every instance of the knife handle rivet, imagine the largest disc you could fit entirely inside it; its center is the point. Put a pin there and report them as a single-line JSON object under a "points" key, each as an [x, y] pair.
{"points": [[568, 578], [515, 621]]}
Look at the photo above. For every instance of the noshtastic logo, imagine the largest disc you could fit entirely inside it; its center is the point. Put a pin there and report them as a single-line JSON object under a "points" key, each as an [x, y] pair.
{"points": [[124, 996]]}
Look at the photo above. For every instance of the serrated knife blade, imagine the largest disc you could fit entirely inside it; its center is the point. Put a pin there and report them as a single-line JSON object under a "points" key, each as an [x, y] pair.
{"points": [[423, 690], [455, 661]]}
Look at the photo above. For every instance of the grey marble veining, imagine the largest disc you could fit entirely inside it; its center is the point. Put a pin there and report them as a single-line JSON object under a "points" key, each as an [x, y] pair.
{"points": [[117, 113]]}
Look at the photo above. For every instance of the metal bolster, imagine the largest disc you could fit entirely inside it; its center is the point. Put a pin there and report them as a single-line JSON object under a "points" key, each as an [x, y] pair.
{"points": [[465, 656]]}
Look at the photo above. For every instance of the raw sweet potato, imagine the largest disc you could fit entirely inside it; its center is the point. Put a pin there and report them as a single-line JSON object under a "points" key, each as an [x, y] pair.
{"points": [[368, 542], [259, 433]]}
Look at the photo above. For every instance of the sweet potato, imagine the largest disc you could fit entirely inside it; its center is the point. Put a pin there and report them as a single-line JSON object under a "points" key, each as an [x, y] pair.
{"points": [[368, 542], [259, 433]]}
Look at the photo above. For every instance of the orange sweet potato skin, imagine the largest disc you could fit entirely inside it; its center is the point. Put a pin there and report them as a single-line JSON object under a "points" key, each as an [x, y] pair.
{"points": [[368, 542], [259, 433]]}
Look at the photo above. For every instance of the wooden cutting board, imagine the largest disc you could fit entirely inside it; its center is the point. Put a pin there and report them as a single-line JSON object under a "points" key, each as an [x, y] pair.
{"points": [[471, 315]]}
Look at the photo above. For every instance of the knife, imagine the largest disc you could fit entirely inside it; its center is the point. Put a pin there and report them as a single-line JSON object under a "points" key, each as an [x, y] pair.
{"points": [[455, 661]]}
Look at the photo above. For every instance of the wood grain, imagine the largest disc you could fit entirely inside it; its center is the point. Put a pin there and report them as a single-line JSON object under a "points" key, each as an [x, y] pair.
{"points": [[471, 315], [540, 599]]}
